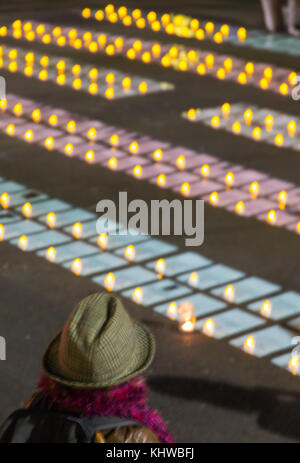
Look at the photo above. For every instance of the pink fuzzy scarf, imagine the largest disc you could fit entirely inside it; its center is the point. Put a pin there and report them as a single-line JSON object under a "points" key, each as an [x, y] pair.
{"points": [[127, 400]]}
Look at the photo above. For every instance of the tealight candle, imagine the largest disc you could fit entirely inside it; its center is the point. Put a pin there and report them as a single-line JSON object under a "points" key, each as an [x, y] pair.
{"points": [[160, 266], [51, 219], [2, 231], [130, 252], [102, 241], [76, 266], [109, 281], [266, 308], [23, 242], [208, 327], [4, 200], [77, 230], [172, 310], [193, 279], [186, 316], [27, 210], [229, 293], [249, 345], [293, 364], [51, 254], [137, 295]]}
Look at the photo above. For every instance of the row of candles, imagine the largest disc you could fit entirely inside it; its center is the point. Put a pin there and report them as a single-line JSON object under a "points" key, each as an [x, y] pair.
{"points": [[178, 57], [68, 72], [248, 119], [184, 313], [171, 24], [137, 170]]}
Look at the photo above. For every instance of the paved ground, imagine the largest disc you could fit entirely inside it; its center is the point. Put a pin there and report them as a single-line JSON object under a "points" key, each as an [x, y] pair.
{"points": [[207, 390]]}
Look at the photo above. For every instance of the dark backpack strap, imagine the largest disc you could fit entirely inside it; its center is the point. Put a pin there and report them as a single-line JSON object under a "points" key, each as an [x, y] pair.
{"points": [[102, 423]]}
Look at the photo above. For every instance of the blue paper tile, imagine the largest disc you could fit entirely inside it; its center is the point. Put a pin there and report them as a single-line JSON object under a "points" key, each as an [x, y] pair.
{"points": [[182, 262], [159, 291], [104, 225], [11, 187], [44, 240], [22, 227], [97, 263], [43, 207], [231, 322], [88, 229], [8, 217], [130, 277], [150, 249], [203, 304], [282, 361], [248, 289], [282, 306], [267, 341], [213, 276], [294, 323], [116, 241], [71, 251], [71, 216], [20, 197]]}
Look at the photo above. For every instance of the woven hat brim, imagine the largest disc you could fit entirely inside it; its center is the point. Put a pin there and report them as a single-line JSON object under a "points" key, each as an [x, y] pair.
{"points": [[144, 354]]}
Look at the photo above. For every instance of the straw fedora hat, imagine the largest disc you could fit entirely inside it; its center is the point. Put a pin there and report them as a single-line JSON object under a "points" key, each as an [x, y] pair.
{"points": [[99, 346]]}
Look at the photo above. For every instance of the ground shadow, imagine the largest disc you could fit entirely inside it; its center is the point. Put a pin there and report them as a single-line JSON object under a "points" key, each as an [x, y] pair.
{"points": [[277, 411]]}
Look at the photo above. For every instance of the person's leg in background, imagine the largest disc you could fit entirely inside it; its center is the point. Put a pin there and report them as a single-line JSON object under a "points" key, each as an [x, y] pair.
{"points": [[273, 15], [292, 18]]}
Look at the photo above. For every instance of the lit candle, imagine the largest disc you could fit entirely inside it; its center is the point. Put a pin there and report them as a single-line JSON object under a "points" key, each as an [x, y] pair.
{"points": [[193, 279], [76, 266], [229, 293], [213, 197], [172, 310], [254, 189], [137, 170], [129, 253], [51, 219], [77, 230], [208, 327], [133, 147], [161, 179], [157, 155], [2, 231], [160, 266], [266, 308], [51, 254], [112, 162], [23, 242], [240, 207], [271, 216], [137, 295], [229, 179], [4, 200], [27, 210], [185, 188], [102, 241], [180, 161], [293, 365], [109, 281], [186, 316], [249, 345], [90, 156], [205, 170], [282, 198]]}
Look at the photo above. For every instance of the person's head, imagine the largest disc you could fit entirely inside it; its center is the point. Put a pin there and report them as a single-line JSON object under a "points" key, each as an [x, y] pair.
{"points": [[99, 347]]}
